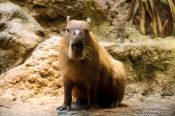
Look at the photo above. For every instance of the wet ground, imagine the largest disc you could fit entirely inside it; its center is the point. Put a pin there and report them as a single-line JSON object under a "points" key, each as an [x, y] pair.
{"points": [[136, 105]]}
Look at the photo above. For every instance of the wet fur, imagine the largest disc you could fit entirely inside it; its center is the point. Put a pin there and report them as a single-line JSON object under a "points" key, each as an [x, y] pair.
{"points": [[97, 71]]}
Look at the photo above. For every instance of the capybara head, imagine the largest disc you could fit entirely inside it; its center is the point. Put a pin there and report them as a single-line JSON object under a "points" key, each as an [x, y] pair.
{"points": [[77, 33]]}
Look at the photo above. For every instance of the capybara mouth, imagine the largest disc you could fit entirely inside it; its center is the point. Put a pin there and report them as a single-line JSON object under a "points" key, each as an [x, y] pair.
{"points": [[76, 54]]}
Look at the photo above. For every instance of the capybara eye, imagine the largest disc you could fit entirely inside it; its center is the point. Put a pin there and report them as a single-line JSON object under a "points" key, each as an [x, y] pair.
{"points": [[86, 30], [68, 30]]}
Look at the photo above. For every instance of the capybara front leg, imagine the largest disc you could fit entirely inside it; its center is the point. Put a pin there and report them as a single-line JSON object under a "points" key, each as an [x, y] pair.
{"points": [[92, 96], [67, 97]]}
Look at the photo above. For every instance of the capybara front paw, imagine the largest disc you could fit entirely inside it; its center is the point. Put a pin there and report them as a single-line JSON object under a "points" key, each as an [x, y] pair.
{"points": [[63, 107]]}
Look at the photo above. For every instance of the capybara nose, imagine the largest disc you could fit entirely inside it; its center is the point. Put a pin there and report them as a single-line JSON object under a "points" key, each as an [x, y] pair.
{"points": [[77, 45], [77, 32]]}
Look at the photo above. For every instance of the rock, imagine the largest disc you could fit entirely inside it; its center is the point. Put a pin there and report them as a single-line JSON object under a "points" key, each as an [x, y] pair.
{"points": [[39, 73], [108, 16], [18, 35], [34, 65], [149, 67], [149, 64]]}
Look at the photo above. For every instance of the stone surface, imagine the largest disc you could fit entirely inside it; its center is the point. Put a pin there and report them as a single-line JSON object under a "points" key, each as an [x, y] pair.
{"points": [[150, 64], [137, 105], [30, 81], [146, 61], [108, 17], [147, 64], [18, 35], [39, 73]]}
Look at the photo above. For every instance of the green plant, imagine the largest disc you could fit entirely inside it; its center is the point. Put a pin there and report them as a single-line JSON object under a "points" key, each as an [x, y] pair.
{"points": [[148, 12]]}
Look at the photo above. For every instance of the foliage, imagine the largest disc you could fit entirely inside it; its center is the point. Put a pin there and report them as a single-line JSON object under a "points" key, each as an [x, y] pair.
{"points": [[149, 16]]}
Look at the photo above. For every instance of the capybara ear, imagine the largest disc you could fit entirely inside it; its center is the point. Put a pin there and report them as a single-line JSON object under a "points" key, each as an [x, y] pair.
{"points": [[88, 20], [68, 18]]}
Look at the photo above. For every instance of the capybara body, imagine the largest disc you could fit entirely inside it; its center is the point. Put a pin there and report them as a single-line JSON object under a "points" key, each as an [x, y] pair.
{"points": [[89, 72]]}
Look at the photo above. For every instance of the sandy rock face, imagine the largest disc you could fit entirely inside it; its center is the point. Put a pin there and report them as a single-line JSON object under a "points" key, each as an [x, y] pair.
{"points": [[18, 35], [39, 73], [27, 63], [30, 81], [146, 64]]}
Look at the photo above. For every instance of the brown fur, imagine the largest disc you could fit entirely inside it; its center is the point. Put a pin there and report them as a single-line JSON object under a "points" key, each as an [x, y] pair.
{"points": [[98, 78]]}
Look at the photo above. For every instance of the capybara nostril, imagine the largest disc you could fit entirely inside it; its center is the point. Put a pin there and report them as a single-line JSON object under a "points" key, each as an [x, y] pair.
{"points": [[77, 45]]}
